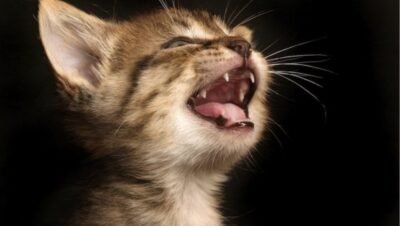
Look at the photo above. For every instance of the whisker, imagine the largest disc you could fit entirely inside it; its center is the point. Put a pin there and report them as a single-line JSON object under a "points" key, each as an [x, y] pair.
{"points": [[301, 64], [293, 46], [284, 60], [279, 126], [269, 46], [165, 6], [229, 21], [35, 17], [253, 17], [226, 9], [162, 4], [297, 56], [306, 62], [101, 9], [114, 9], [276, 138], [301, 74], [251, 162], [278, 94], [299, 77], [300, 86], [240, 11], [119, 128]]}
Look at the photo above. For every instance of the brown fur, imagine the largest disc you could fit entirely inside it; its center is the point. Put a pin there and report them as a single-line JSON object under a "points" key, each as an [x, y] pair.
{"points": [[153, 163]]}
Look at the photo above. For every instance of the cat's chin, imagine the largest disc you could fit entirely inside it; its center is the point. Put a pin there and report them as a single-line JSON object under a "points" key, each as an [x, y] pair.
{"points": [[224, 102]]}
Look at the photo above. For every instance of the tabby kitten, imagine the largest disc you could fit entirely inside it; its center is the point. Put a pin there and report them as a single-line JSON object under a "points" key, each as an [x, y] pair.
{"points": [[165, 104]]}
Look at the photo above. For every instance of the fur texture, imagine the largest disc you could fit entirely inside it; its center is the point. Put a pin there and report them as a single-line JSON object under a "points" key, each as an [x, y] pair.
{"points": [[154, 161]]}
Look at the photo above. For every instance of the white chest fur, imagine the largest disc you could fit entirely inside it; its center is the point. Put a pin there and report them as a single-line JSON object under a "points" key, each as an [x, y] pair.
{"points": [[196, 204]]}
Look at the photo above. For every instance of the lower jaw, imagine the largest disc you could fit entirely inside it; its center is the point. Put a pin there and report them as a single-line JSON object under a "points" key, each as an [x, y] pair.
{"points": [[218, 123], [232, 130]]}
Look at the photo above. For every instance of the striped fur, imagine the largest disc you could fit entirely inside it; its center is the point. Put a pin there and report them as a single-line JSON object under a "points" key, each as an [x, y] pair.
{"points": [[154, 162]]}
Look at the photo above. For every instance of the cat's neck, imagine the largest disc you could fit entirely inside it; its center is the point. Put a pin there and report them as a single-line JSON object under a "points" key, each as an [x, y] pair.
{"points": [[189, 197], [195, 198]]}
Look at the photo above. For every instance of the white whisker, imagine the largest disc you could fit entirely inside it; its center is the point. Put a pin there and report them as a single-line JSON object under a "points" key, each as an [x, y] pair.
{"points": [[226, 10], [255, 16], [297, 56], [300, 86], [269, 46], [276, 137], [114, 10], [297, 76], [304, 62], [251, 162], [229, 21], [279, 126], [300, 64], [240, 11], [293, 46], [119, 128], [301, 74], [165, 6], [278, 94]]}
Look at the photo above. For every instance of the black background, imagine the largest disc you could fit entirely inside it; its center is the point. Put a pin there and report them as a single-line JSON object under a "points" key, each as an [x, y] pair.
{"points": [[338, 168]]}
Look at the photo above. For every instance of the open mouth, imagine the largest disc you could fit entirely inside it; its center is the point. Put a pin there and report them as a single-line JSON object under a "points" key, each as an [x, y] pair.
{"points": [[224, 101]]}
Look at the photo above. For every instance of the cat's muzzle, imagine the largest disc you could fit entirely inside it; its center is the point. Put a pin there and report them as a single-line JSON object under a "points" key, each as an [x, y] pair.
{"points": [[225, 101]]}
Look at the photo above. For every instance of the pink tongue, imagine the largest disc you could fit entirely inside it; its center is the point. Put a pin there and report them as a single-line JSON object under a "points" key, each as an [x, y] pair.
{"points": [[231, 113]]}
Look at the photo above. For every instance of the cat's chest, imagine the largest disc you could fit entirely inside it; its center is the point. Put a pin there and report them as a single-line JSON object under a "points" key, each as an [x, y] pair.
{"points": [[197, 208]]}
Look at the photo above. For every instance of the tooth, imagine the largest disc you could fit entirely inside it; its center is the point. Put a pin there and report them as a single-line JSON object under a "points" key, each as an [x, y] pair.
{"points": [[252, 78], [241, 96], [243, 90], [226, 77], [203, 94]]}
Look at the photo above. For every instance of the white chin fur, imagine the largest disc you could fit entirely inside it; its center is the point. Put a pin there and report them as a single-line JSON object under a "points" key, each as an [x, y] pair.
{"points": [[202, 135]]}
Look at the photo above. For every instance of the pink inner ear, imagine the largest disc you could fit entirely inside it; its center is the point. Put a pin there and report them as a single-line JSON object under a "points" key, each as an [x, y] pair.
{"points": [[73, 60], [72, 40]]}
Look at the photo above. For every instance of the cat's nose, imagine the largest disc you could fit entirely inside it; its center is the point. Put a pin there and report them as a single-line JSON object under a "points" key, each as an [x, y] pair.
{"points": [[240, 46]]}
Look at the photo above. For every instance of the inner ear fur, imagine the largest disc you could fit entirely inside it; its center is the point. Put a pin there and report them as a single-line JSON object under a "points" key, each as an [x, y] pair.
{"points": [[76, 43]]}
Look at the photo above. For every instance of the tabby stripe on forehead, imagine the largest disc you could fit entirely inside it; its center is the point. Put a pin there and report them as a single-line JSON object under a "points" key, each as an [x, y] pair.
{"points": [[134, 78], [173, 77], [208, 22], [181, 22]]}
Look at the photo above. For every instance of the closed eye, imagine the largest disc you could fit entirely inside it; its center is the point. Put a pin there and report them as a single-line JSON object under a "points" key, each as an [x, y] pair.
{"points": [[177, 42]]}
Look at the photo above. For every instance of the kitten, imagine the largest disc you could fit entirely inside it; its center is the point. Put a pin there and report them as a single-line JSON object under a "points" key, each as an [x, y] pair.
{"points": [[165, 104]]}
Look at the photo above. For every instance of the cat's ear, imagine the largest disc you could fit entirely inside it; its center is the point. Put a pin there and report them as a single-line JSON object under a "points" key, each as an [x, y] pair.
{"points": [[76, 43], [243, 32]]}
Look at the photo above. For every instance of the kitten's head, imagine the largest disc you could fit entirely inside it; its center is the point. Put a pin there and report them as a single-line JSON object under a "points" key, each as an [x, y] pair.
{"points": [[174, 85]]}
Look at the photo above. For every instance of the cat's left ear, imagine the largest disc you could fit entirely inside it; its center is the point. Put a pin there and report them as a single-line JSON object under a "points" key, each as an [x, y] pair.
{"points": [[76, 43], [244, 32]]}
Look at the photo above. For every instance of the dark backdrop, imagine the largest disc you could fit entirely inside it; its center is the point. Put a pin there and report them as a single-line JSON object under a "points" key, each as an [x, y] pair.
{"points": [[333, 168]]}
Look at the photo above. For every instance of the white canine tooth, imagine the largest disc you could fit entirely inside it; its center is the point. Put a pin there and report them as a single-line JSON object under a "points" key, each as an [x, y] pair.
{"points": [[226, 77], [252, 78], [203, 93], [241, 96], [243, 90]]}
